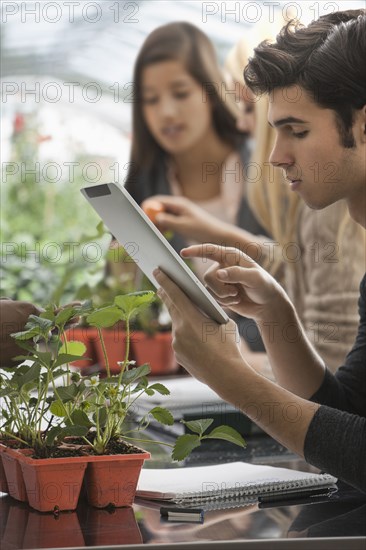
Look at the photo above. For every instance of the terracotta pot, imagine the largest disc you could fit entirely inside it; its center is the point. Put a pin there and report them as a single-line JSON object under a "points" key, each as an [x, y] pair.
{"points": [[112, 479], [3, 483], [115, 344], [156, 350], [112, 527], [53, 483], [43, 530], [89, 337], [12, 459]]}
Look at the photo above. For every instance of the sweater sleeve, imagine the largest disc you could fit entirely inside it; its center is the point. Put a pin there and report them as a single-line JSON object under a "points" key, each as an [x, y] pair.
{"points": [[336, 442], [336, 438]]}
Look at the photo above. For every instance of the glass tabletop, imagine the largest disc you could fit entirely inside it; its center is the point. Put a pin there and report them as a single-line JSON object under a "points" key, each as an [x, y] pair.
{"points": [[340, 515]]}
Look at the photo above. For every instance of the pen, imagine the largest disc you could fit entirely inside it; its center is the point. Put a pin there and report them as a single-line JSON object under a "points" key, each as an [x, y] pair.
{"points": [[291, 499]]}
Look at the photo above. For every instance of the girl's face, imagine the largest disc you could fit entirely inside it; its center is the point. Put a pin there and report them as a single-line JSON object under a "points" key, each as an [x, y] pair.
{"points": [[175, 107]]}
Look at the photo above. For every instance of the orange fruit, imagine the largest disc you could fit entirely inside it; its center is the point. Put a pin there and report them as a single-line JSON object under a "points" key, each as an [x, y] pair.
{"points": [[152, 208]]}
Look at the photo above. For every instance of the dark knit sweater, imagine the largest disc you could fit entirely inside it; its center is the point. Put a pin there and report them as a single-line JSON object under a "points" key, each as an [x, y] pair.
{"points": [[336, 438]]}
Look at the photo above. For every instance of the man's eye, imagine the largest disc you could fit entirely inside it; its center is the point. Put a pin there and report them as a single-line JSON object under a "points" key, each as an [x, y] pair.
{"points": [[300, 134]]}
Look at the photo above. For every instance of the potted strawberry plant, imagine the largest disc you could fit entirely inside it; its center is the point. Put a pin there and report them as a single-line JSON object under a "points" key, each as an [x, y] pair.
{"points": [[61, 422]]}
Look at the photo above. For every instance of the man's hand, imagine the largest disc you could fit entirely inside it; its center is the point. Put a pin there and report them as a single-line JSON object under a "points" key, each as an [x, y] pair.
{"points": [[238, 282], [13, 317], [202, 346]]}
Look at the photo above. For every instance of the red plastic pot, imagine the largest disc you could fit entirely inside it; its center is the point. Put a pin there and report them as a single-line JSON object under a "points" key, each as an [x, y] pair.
{"points": [[156, 350], [53, 483], [115, 345], [3, 483], [88, 336], [12, 459], [112, 479]]}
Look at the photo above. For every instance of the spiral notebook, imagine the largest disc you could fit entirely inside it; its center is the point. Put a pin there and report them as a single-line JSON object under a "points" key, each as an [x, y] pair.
{"points": [[233, 481]]}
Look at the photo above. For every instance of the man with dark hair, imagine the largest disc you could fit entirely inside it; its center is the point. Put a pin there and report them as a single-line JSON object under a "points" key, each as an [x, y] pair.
{"points": [[316, 78]]}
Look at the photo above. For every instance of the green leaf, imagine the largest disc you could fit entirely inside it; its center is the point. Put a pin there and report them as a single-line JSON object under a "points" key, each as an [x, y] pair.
{"points": [[162, 415], [198, 426], [73, 430], [160, 388], [34, 321], [57, 408], [64, 358], [26, 334], [184, 445], [31, 375], [228, 434], [64, 315], [49, 313], [73, 347], [68, 393], [104, 317], [132, 303], [80, 418], [84, 308], [132, 375], [44, 356], [52, 434]]}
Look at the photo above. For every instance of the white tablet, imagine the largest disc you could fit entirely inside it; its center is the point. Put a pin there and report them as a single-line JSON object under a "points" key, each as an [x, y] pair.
{"points": [[147, 246]]}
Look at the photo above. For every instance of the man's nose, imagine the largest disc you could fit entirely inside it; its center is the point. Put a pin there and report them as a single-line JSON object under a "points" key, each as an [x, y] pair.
{"points": [[279, 156]]}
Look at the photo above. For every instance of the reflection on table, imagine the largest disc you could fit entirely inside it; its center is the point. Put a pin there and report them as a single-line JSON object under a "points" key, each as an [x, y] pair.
{"points": [[21, 527], [342, 514]]}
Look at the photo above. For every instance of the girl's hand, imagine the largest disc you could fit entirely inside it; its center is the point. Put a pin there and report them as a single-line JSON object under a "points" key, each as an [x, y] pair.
{"points": [[186, 218], [238, 282]]}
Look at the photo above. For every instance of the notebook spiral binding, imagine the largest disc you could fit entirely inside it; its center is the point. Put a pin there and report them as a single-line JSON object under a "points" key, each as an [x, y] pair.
{"points": [[249, 493]]}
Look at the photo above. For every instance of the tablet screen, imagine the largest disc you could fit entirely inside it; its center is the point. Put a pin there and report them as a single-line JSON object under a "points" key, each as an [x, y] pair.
{"points": [[147, 246]]}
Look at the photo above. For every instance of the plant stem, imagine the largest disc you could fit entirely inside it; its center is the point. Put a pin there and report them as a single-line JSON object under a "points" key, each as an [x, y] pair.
{"points": [[104, 352], [148, 441], [9, 434]]}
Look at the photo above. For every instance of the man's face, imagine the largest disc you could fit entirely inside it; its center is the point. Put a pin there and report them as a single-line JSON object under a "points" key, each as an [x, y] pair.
{"points": [[308, 148]]}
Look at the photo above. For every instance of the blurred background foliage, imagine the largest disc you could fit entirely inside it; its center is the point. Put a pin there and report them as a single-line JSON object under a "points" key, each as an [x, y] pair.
{"points": [[53, 245]]}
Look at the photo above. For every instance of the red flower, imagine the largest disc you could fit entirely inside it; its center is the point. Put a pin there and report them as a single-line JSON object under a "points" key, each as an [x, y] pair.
{"points": [[19, 123]]}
